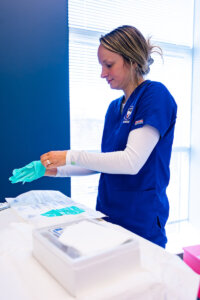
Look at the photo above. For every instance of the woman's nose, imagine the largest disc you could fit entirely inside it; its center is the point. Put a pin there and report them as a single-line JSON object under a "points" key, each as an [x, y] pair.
{"points": [[104, 73]]}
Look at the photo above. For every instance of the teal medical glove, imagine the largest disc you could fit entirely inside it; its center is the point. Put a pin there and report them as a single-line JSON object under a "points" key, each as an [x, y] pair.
{"points": [[30, 172]]}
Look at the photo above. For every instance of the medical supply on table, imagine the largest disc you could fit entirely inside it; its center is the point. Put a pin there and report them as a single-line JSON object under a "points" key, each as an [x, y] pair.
{"points": [[44, 208], [30, 172], [70, 210], [91, 273], [4, 205], [86, 254]]}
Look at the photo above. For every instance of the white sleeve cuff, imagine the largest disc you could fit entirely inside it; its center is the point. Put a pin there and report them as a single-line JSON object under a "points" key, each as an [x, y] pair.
{"points": [[68, 158]]}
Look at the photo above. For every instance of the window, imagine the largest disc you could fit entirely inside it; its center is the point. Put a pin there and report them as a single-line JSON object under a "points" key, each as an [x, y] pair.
{"points": [[90, 95]]}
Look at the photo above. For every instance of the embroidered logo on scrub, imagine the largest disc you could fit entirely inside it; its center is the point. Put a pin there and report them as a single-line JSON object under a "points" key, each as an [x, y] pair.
{"points": [[128, 115], [138, 122]]}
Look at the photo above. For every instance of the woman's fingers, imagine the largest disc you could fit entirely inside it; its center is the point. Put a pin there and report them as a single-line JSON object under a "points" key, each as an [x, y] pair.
{"points": [[53, 159]]}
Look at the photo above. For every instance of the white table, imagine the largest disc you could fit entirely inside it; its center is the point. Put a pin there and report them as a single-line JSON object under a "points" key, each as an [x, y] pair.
{"points": [[162, 276]]}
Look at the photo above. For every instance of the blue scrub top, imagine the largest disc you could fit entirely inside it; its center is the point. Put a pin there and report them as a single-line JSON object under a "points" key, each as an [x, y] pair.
{"points": [[139, 202]]}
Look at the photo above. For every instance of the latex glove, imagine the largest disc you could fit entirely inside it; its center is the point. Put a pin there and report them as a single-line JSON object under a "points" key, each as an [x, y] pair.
{"points": [[30, 172]]}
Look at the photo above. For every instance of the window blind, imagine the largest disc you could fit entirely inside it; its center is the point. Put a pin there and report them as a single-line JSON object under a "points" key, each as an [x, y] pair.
{"points": [[167, 20]]}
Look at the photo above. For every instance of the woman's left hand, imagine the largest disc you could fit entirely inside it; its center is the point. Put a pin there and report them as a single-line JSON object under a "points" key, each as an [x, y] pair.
{"points": [[53, 159]]}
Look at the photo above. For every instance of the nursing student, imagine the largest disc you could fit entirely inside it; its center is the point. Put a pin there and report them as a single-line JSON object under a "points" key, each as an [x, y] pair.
{"points": [[136, 143]]}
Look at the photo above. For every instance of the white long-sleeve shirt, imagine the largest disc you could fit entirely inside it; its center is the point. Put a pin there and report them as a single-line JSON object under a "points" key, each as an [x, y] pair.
{"points": [[140, 144]]}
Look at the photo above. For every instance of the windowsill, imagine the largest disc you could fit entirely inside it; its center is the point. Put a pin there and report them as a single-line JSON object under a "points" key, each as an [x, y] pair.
{"points": [[181, 235]]}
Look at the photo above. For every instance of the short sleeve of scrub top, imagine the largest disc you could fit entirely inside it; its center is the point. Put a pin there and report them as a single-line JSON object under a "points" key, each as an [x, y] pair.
{"points": [[155, 109]]}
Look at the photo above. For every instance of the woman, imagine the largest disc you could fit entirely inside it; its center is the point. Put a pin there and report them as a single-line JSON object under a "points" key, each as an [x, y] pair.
{"points": [[136, 143]]}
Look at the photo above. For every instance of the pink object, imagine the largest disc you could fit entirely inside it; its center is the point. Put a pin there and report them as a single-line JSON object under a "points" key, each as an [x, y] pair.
{"points": [[191, 257]]}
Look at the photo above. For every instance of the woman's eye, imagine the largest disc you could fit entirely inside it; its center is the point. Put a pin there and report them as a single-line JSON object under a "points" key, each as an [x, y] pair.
{"points": [[109, 66]]}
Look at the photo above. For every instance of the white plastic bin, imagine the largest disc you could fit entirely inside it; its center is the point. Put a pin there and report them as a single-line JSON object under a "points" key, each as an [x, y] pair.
{"points": [[79, 274]]}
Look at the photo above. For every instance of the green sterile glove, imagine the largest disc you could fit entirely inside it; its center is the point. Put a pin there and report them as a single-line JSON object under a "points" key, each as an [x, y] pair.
{"points": [[30, 172]]}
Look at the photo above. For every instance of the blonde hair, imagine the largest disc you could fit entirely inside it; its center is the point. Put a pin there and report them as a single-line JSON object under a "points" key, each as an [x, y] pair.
{"points": [[129, 42]]}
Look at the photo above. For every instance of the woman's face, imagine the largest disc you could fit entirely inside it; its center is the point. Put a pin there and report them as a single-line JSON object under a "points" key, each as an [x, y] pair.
{"points": [[114, 69]]}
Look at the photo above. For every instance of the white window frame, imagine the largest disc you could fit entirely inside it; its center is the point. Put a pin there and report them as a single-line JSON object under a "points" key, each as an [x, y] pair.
{"points": [[194, 198]]}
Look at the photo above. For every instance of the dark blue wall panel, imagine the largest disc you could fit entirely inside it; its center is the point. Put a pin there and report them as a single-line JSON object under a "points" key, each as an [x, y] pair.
{"points": [[34, 89]]}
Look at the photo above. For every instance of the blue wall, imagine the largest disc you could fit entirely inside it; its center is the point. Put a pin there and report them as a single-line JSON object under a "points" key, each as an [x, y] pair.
{"points": [[34, 88]]}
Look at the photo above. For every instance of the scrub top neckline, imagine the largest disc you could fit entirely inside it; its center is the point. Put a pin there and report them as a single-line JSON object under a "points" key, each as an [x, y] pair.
{"points": [[130, 97]]}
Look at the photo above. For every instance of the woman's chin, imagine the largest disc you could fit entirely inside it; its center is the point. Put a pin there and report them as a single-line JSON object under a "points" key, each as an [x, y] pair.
{"points": [[113, 85]]}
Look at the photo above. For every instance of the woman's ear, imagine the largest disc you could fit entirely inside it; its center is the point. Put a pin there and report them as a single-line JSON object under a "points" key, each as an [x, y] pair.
{"points": [[135, 66]]}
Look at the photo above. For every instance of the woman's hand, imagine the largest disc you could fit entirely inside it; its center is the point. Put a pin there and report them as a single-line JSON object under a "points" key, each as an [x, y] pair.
{"points": [[53, 159]]}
